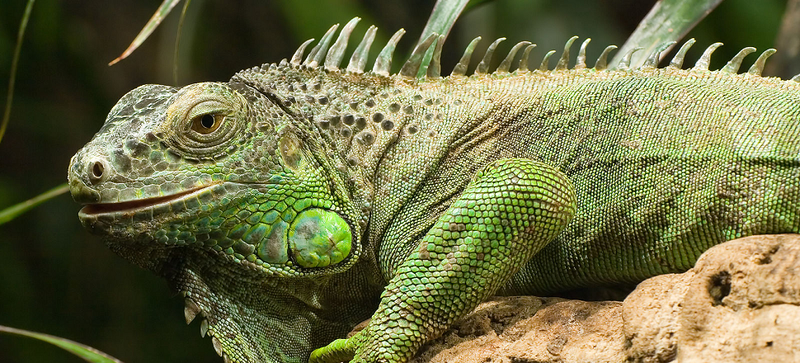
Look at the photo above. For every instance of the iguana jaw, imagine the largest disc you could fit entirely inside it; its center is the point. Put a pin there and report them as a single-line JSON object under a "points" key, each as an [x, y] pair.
{"points": [[133, 206]]}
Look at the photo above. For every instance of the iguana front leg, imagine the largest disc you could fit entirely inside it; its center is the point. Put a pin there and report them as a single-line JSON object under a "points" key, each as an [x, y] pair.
{"points": [[510, 210]]}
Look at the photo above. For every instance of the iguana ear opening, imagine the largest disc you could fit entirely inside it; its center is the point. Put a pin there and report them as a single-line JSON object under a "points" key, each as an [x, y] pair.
{"points": [[290, 149]]}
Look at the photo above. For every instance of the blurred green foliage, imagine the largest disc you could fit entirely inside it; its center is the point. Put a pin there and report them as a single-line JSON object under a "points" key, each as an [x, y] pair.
{"points": [[56, 278], [85, 352]]}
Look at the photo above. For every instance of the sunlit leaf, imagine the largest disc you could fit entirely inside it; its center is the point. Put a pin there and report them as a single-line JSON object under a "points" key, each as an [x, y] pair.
{"points": [[668, 20], [151, 25], [86, 352], [15, 210]]}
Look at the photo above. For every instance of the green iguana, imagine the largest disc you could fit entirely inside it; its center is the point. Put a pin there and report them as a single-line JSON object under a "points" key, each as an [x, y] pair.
{"points": [[300, 198]]}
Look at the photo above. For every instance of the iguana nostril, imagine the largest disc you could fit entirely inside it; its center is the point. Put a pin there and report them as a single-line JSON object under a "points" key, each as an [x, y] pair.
{"points": [[97, 171]]}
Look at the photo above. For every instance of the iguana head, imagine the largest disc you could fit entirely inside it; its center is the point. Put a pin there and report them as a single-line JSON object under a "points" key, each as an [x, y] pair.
{"points": [[231, 196], [217, 166]]}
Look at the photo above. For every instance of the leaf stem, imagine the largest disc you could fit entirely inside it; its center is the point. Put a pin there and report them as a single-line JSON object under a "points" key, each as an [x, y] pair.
{"points": [[15, 210], [13, 77]]}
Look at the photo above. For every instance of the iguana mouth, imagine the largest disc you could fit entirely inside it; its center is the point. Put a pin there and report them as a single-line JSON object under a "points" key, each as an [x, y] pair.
{"points": [[134, 205]]}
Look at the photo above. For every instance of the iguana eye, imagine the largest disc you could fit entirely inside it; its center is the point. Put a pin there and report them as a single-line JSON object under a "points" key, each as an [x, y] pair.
{"points": [[203, 120], [207, 123]]}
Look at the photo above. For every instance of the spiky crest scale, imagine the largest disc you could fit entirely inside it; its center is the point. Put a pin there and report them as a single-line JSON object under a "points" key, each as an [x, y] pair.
{"points": [[461, 67], [483, 66], [758, 66], [705, 59], [383, 63], [297, 58], [655, 56], [563, 62], [318, 52], [505, 65], [523, 61], [411, 67], [580, 62], [625, 63], [435, 67], [359, 59], [546, 60], [733, 65], [677, 61], [602, 60], [334, 57], [334, 54]]}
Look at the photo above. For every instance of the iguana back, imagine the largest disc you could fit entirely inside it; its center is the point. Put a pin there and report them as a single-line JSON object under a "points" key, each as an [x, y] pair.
{"points": [[665, 162]]}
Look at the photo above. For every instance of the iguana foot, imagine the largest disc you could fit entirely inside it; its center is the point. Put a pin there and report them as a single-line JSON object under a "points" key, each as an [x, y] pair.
{"points": [[340, 350]]}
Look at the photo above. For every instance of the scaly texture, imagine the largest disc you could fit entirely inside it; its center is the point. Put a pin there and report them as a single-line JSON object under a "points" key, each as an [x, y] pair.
{"points": [[298, 199]]}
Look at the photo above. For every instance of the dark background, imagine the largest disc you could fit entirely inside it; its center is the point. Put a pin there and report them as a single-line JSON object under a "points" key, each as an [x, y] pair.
{"points": [[56, 278]]}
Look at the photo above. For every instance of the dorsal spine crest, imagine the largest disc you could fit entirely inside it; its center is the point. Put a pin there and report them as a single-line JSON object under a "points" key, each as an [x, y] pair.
{"points": [[333, 55]]}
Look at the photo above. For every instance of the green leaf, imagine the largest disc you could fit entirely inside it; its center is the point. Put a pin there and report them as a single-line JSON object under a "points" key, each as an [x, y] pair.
{"points": [[444, 15], [86, 352], [151, 25], [668, 20], [178, 43], [15, 210]]}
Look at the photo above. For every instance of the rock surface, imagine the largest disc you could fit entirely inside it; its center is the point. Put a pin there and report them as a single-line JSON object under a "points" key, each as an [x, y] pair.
{"points": [[740, 303]]}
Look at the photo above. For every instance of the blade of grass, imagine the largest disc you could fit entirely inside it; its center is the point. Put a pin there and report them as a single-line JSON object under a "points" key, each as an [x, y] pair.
{"points": [[444, 15], [13, 77], [15, 210], [151, 25], [86, 352], [668, 20], [178, 42]]}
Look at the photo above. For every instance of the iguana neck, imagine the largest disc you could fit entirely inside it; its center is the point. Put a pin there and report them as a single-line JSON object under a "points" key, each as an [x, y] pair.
{"points": [[354, 119]]}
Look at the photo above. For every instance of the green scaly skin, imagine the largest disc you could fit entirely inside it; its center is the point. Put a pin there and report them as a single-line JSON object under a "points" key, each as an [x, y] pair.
{"points": [[293, 202]]}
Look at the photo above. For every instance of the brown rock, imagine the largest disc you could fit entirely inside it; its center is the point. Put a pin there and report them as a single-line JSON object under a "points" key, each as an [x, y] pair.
{"points": [[526, 328], [740, 303]]}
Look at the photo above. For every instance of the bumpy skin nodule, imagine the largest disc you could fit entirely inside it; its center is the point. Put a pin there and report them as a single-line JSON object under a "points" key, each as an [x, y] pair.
{"points": [[293, 202]]}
